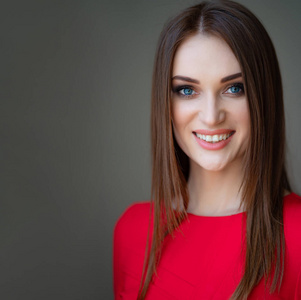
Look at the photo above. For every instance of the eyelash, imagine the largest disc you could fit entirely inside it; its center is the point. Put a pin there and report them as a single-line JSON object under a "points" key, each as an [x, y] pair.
{"points": [[238, 85], [177, 90]]}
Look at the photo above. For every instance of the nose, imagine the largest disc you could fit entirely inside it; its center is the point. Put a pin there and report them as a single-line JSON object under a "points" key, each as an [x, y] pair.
{"points": [[211, 111]]}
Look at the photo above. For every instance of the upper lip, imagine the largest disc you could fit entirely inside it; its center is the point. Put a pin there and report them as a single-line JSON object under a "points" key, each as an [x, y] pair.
{"points": [[213, 132]]}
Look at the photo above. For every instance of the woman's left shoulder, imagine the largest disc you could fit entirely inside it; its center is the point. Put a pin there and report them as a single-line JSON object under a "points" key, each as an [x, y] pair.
{"points": [[292, 222], [292, 210], [292, 234]]}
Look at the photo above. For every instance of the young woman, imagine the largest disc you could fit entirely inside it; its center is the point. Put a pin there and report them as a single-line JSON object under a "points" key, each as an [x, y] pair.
{"points": [[223, 222]]}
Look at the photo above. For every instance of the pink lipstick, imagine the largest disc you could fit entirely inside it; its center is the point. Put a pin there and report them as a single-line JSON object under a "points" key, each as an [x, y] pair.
{"points": [[213, 139]]}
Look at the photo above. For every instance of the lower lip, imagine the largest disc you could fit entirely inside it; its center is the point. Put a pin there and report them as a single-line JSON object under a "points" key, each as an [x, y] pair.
{"points": [[213, 146]]}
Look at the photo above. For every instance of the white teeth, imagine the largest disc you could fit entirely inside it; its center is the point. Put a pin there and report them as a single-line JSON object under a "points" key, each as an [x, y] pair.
{"points": [[213, 138]]}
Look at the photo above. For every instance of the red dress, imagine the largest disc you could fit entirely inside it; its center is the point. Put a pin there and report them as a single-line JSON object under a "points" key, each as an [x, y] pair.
{"points": [[204, 260]]}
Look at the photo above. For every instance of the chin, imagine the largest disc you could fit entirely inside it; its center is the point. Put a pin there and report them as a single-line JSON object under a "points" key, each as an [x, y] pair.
{"points": [[212, 166]]}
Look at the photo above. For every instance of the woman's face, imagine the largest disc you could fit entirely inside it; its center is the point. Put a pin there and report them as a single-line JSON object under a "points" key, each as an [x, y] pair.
{"points": [[210, 112]]}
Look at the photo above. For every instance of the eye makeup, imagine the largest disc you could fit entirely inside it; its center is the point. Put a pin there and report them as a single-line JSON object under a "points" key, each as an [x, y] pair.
{"points": [[188, 91], [184, 91], [235, 89]]}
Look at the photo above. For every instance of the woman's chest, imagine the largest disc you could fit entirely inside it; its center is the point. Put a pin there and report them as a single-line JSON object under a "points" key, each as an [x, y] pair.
{"points": [[198, 264]]}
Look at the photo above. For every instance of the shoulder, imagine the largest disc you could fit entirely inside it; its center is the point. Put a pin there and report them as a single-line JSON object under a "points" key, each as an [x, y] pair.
{"points": [[292, 224], [292, 212], [132, 226], [135, 210], [129, 244], [137, 213]]}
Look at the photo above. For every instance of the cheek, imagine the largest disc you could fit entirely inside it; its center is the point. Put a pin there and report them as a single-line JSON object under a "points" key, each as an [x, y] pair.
{"points": [[244, 120], [182, 115]]}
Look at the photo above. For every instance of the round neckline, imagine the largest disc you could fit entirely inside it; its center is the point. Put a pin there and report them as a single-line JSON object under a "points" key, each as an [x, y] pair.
{"points": [[216, 217], [226, 216]]}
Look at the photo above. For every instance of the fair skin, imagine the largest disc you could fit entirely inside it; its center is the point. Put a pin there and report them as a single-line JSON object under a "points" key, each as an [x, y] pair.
{"points": [[211, 123]]}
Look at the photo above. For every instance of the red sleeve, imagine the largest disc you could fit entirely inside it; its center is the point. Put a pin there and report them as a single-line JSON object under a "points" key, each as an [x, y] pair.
{"points": [[292, 232], [130, 234]]}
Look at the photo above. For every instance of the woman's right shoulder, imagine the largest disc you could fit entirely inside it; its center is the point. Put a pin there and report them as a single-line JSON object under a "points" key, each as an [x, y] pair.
{"points": [[129, 244], [136, 213], [134, 222]]}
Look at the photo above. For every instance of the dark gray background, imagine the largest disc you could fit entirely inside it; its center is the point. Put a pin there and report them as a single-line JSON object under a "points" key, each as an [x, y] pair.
{"points": [[75, 101]]}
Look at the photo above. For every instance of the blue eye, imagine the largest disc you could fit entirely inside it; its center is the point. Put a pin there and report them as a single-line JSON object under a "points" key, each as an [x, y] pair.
{"points": [[187, 91], [236, 88], [184, 91]]}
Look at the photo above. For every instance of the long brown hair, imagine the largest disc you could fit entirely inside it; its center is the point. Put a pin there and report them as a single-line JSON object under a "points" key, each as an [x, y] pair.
{"points": [[265, 178]]}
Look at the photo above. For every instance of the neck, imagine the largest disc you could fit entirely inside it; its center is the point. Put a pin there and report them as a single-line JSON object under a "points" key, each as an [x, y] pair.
{"points": [[215, 193]]}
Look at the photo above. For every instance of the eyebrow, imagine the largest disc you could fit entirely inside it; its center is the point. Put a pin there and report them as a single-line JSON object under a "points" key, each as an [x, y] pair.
{"points": [[225, 79], [188, 79], [230, 77]]}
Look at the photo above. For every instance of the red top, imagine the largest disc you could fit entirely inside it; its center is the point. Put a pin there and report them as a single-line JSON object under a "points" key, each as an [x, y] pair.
{"points": [[203, 261]]}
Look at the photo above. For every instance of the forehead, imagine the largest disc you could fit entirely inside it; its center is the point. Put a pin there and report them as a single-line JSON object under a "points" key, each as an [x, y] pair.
{"points": [[205, 55]]}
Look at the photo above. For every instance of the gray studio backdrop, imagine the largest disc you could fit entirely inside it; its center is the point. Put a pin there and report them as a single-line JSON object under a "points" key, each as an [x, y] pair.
{"points": [[75, 101]]}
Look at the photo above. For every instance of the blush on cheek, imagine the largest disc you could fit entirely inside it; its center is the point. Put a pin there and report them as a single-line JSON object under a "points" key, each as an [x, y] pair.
{"points": [[182, 112]]}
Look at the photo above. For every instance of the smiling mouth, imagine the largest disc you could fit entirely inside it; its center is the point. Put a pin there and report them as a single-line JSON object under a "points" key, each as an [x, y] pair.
{"points": [[216, 138]]}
